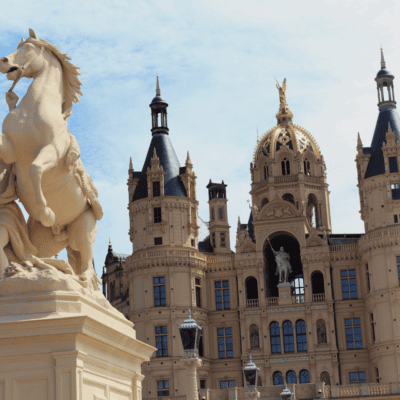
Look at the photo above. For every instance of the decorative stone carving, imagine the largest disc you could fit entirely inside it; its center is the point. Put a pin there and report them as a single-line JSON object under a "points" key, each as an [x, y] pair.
{"points": [[279, 212]]}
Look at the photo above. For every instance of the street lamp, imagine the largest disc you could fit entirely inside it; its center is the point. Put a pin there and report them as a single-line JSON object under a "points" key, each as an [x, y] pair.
{"points": [[190, 336], [190, 333], [286, 394], [250, 373]]}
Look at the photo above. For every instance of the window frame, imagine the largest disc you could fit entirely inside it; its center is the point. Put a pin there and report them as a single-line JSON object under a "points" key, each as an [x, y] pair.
{"points": [[274, 346], [225, 339], [156, 189], [197, 285], [353, 333], [163, 341], [159, 285], [164, 389], [358, 380], [222, 296], [301, 335], [288, 336], [347, 278], [228, 383], [157, 213]]}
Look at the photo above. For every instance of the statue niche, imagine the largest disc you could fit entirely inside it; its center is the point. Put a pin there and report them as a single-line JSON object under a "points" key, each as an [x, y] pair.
{"points": [[291, 248], [321, 331]]}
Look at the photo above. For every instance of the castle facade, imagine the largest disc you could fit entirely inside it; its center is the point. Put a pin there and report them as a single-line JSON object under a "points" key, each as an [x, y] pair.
{"points": [[334, 318]]}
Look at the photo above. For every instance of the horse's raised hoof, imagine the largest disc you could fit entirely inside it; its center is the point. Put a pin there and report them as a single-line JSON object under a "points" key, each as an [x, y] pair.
{"points": [[47, 217]]}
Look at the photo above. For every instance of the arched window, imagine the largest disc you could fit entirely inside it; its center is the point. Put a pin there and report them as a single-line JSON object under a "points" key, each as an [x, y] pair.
{"points": [[297, 285], [301, 335], [254, 337], [275, 335], [278, 378], [304, 376], [212, 214], [317, 282], [264, 202], [321, 331], [220, 213], [251, 288], [288, 339], [288, 197], [306, 167], [312, 211], [259, 381], [285, 166], [291, 377], [325, 377]]}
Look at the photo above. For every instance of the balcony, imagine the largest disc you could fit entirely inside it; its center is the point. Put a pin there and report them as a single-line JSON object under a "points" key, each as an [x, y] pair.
{"points": [[272, 301], [285, 178], [318, 297], [251, 303], [298, 298]]}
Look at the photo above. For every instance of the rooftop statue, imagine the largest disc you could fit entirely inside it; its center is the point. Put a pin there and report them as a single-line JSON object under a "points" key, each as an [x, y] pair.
{"points": [[282, 91], [40, 165]]}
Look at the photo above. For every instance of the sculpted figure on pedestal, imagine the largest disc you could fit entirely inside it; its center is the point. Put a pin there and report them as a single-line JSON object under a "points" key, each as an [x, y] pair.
{"points": [[40, 164], [283, 267]]}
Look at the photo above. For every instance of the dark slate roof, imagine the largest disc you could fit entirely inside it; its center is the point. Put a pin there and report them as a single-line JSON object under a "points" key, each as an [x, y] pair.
{"points": [[251, 227], [173, 186], [158, 99], [376, 165], [204, 237], [367, 150], [339, 239], [383, 72]]}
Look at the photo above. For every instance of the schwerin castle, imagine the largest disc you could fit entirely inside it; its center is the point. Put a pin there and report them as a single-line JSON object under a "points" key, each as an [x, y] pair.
{"points": [[337, 322]]}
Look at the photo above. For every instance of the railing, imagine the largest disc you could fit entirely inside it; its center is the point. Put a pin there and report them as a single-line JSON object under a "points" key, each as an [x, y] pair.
{"points": [[343, 247], [272, 301], [379, 389], [183, 397], [318, 297], [285, 178], [314, 179], [252, 303], [298, 298]]}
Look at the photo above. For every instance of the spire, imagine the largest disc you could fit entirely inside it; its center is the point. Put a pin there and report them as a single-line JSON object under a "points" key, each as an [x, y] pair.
{"points": [[383, 64], [359, 142], [130, 163], [158, 90], [188, 160]]}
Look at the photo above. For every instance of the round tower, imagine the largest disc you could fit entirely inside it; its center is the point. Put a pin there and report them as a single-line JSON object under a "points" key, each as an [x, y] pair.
{"points": [[378, 184]]}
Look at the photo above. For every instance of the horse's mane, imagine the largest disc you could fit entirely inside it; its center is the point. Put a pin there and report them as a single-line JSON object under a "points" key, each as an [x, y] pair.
{"points": [[71, 83]]}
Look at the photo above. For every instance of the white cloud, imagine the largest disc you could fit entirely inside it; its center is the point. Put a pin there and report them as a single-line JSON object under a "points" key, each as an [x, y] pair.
{"points": [[216, 61]]}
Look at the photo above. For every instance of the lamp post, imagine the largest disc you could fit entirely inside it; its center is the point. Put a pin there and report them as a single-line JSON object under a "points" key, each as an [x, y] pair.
{"points": [[250, 373], [190, 333]]}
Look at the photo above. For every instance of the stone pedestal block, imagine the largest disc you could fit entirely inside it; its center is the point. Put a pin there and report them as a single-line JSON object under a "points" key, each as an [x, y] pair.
{"points": [[285, 295], [65, 346]]}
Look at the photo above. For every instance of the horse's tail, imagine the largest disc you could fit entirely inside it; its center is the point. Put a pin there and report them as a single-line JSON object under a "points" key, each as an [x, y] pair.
{"points": [[89, 189]]}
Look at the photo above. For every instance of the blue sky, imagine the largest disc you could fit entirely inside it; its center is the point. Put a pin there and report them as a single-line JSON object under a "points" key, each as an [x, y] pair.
{"points": [[217, 62]]}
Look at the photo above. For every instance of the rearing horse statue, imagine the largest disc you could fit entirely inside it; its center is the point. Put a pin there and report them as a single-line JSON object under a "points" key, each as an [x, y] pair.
{"points": [[51, 181]]}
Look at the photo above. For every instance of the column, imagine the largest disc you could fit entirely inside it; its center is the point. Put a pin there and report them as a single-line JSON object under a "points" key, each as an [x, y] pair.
{"points": [[191, 366]]}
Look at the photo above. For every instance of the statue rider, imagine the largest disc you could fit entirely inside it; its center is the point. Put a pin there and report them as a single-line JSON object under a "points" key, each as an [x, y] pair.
{"points": [[283, 267]]}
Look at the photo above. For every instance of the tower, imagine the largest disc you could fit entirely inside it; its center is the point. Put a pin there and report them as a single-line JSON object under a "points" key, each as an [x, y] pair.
{"points": [[219, 227], [378, 184]]}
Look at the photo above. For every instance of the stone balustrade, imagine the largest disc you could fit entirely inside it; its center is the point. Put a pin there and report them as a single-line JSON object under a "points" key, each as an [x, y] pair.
{"points": [[273, 301], [318, 297], [250, 303]]}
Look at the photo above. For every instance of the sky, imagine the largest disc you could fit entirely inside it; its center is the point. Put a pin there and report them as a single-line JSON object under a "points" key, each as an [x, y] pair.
{"points": [[217, 61]]}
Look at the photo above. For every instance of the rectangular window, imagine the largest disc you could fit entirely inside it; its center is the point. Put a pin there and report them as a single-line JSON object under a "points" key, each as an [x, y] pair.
{"points": [[162, 388], [159, 292], [357, 377], [220, 213], [227, 384], [225, 343], [377, 375], [202, 383], [368, 281], [353, 333], [398, 268], [395, 191], [222, 297], [156, 189], [396, 219], [393, 164], [372, 327], [201, 346], [213, 239], [198, 292], [158, 241], [349, 284], [157, 215], [192, 242], [212, 214], [161, 341]]}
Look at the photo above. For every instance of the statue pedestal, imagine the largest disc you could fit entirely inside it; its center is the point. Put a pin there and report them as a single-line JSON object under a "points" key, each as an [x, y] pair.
{"points": [[65, 346], [285, 295]]}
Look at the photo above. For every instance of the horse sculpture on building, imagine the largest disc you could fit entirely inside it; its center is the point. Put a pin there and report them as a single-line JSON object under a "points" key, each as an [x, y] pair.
{"points": [[50, 179], [283, 267]]}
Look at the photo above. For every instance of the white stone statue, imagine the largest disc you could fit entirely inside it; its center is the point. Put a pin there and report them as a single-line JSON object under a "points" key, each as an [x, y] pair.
{"points": [[41, 165], [283, 267]]}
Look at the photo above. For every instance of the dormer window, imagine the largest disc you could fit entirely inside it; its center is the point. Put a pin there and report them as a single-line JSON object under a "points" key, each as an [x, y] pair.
{"points": [[285, 167], [393, 165]]}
